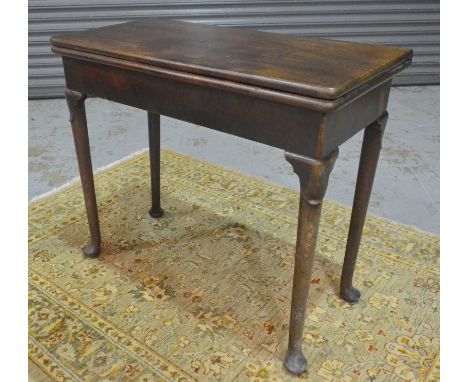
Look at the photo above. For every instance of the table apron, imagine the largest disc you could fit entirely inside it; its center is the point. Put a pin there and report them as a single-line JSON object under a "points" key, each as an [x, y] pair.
{"points": [[292, 128]]}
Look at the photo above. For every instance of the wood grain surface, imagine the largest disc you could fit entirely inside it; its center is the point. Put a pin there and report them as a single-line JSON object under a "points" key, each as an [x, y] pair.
{"points": [[308, 66]]}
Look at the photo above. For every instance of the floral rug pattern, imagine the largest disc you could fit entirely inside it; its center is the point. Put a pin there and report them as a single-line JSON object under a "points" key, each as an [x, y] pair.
{"points": [[203, 293]]}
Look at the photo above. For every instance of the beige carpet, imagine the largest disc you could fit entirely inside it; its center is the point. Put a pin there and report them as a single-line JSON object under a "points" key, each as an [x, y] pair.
{"points": [[203, 293]]}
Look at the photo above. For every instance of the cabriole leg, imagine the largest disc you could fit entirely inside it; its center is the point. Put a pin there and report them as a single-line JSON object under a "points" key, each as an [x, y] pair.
{"points": [[76, 106], [370, 151], [313, 177]]}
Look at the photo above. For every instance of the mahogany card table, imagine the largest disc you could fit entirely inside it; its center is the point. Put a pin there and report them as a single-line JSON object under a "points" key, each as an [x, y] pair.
{"points": [[304, 95]]}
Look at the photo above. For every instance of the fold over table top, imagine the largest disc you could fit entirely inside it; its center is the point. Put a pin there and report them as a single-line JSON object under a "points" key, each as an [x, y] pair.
{"points": [[305, 66]]}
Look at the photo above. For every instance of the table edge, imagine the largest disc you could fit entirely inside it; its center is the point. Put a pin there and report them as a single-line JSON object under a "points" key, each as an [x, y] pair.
{"points": [[319, 104], [309, 90]]}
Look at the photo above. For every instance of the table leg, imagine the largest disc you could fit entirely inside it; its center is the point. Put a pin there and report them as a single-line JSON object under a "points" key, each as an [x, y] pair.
{"points": [[154, 133], [313, 177], [76, 106], [370, 151]]}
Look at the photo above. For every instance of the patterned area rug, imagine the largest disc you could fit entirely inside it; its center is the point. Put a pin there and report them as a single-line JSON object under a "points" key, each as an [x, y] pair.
{"points": [[203, 294]]}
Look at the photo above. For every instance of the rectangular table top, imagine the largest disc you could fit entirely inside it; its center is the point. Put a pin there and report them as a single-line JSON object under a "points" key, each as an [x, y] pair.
{"points": [[306, 66]]}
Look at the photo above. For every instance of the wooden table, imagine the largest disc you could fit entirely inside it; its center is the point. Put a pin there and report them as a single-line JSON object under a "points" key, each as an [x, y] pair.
{"points": [[303, 95]]}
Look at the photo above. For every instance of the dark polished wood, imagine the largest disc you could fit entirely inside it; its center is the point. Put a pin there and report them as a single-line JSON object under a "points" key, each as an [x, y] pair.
{"points": [[313, 178], [371, 145], [76, 106], [303, 95], [311, 131], [307, 66], [154, 134]]}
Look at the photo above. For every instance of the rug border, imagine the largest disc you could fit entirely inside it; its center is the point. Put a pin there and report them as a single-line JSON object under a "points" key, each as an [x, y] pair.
{"points": [[75, 182], [53, 289]]}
